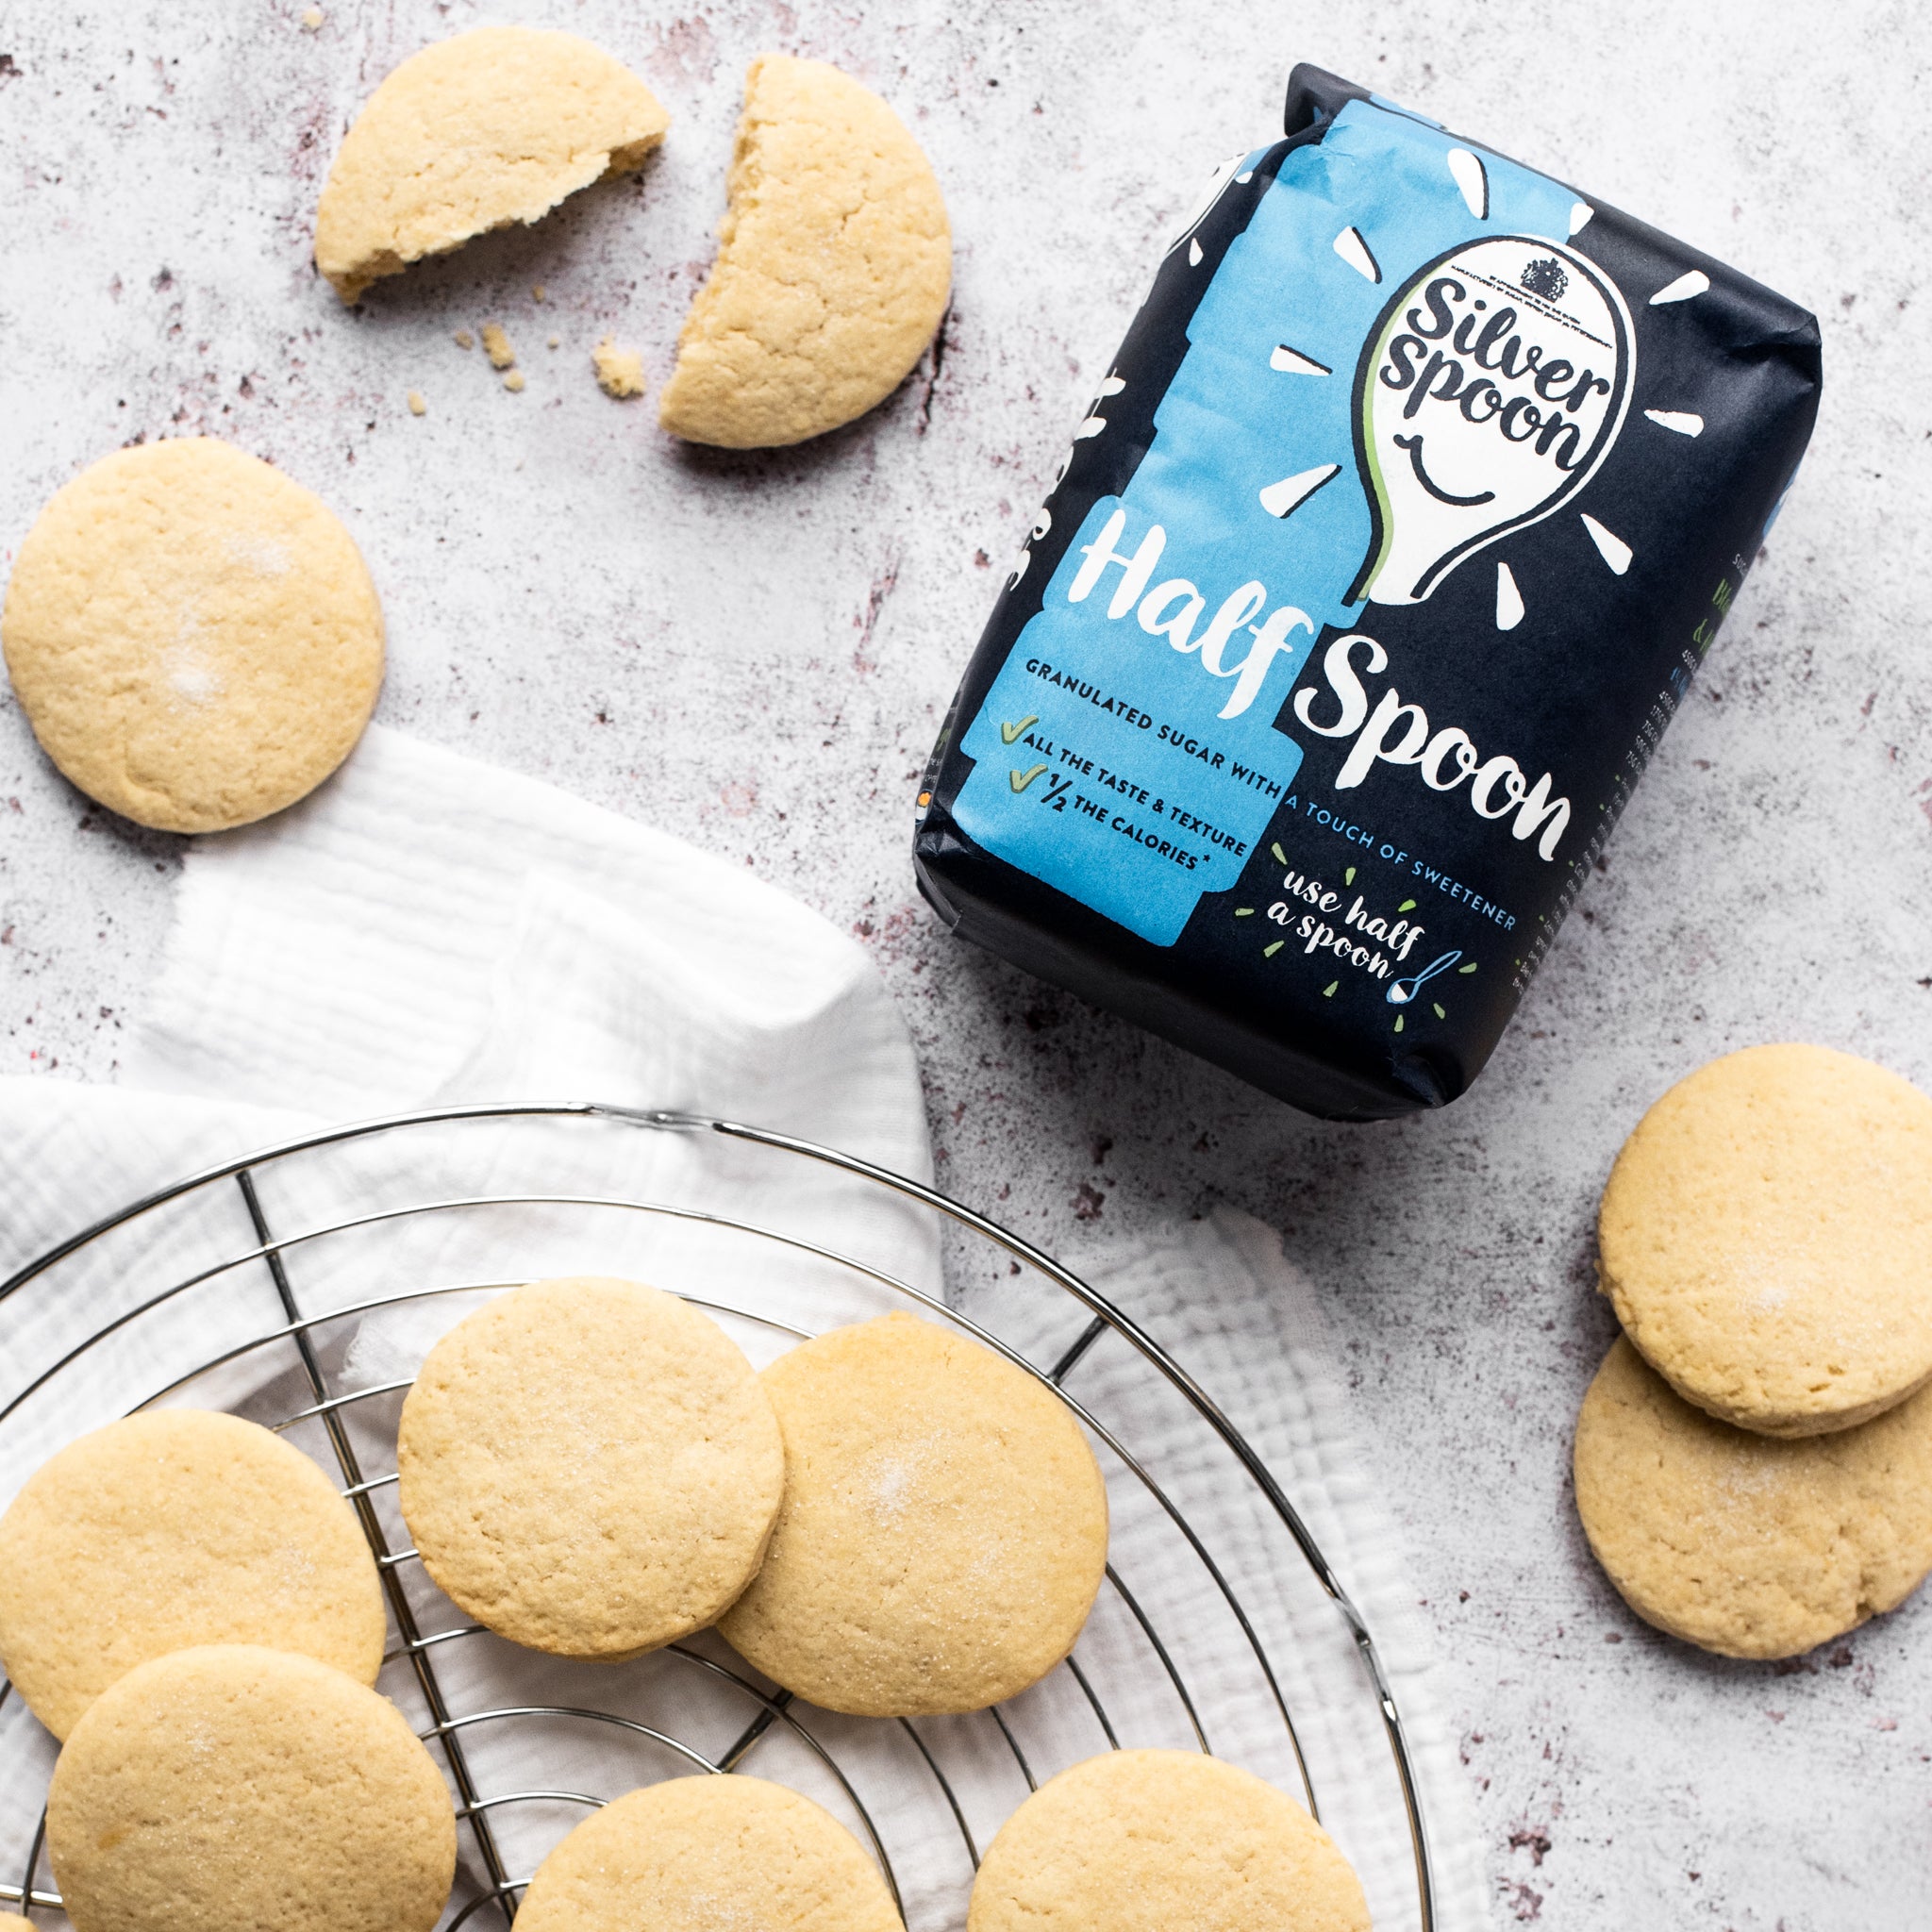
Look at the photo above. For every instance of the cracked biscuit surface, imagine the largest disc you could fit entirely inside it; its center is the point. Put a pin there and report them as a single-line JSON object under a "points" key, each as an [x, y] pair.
{"points": [[589, 1467], [493, 127], [194, 636], [1742, 1543], [709, 1854], [1766, 1238], [232, 1789], [1156, 1841], [944, 1527], [834, 265], [170, 1529]]}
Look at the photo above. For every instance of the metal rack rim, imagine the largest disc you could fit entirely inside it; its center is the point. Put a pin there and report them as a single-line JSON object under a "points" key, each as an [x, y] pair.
{"points": [[271, 1252], [1106, 1316]]}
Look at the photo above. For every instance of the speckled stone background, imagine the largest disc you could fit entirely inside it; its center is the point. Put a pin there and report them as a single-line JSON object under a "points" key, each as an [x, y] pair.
{"points": [[755, 652]]}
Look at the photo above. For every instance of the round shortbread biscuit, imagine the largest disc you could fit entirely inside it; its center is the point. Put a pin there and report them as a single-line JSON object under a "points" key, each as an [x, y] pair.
{"points": [[589, 1467], [170, 1529], [1154, 1841], [493, 127], [944, 1527], [1766, 1237], [1743, 1544], [834, 265], [192, 636], [233, 1788], [705, 1854]]}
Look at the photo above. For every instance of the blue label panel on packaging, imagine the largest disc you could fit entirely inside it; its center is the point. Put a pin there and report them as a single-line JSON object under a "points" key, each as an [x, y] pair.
{"points": [[1128, 753]]}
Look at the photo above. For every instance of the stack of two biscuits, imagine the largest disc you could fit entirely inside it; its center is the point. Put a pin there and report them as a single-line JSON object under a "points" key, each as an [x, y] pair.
{"points": [[191, 1607], [1754, 1459]]}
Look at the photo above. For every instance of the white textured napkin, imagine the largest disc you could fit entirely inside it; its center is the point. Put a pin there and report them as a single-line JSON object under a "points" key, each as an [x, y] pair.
{"points": [[428, 931]]}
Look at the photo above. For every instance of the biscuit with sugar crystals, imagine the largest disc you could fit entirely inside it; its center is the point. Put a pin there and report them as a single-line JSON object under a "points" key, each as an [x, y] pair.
{"points": [[233, 1788], [701, 1854], [493, 127], [1154, 1841], [1742, 1543], [192, 636], [172, 1529], [589, 1467], [944, 1528], [834, 265], [1766, 1237]]}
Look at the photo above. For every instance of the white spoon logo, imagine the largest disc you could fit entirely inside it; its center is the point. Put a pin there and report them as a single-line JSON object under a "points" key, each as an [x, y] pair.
{"points": [[1493, 386]]}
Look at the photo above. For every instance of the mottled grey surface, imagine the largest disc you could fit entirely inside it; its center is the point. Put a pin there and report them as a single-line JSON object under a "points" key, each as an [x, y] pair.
{"points": [[755, 652]]}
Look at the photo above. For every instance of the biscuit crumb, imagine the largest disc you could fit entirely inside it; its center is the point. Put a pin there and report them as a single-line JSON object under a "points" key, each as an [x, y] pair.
{"points": [[554, 341], [465, 340], [620, 371], [313, 19], [417, 406], [537, 294], [514, 382], [496, 346]]}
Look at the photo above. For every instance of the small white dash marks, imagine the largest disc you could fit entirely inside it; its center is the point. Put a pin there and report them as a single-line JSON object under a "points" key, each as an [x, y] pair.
{"points": [[1194, 253], [1278, 499], [1473, 180], [1095, 422], [1355, 251], [1694, 282], [1685, 422], [1612, 549], [1580, 212], [1292, 362], [1509, 600]]}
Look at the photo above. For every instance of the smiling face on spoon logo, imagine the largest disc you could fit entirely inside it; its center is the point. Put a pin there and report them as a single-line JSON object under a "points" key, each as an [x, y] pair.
{"points": [[1494, 385]]}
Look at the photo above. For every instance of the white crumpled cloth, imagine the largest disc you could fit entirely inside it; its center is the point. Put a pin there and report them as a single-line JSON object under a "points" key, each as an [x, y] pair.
{"points": [[427, 931]]}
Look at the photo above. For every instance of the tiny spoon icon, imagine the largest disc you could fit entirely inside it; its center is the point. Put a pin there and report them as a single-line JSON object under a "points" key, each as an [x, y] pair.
{"points": [[1402, 991]]}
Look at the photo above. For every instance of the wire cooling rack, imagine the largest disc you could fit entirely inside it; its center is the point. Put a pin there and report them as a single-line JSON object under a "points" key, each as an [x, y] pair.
{"points": [[300, 1285]]}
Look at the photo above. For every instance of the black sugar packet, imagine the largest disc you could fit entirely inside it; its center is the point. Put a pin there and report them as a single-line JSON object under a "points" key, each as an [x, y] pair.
{"points": [[1498, 459]]}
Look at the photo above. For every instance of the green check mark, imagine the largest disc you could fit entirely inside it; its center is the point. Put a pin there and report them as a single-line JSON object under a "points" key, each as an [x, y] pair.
{"points": [[1009, 734], [1019, 780]]}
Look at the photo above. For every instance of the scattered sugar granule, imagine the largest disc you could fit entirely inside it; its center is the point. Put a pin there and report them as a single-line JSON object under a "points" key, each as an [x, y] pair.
{"points": [[313, 19], [465, 340], [417, 406], [554, 341], [537, 294], [620, 371], [192, 677], [514, 382], [496, 346]]}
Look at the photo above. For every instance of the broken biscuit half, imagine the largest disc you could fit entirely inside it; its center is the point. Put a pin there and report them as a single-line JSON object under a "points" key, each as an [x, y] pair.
{"points": [[493, 127], [835, 262]]}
